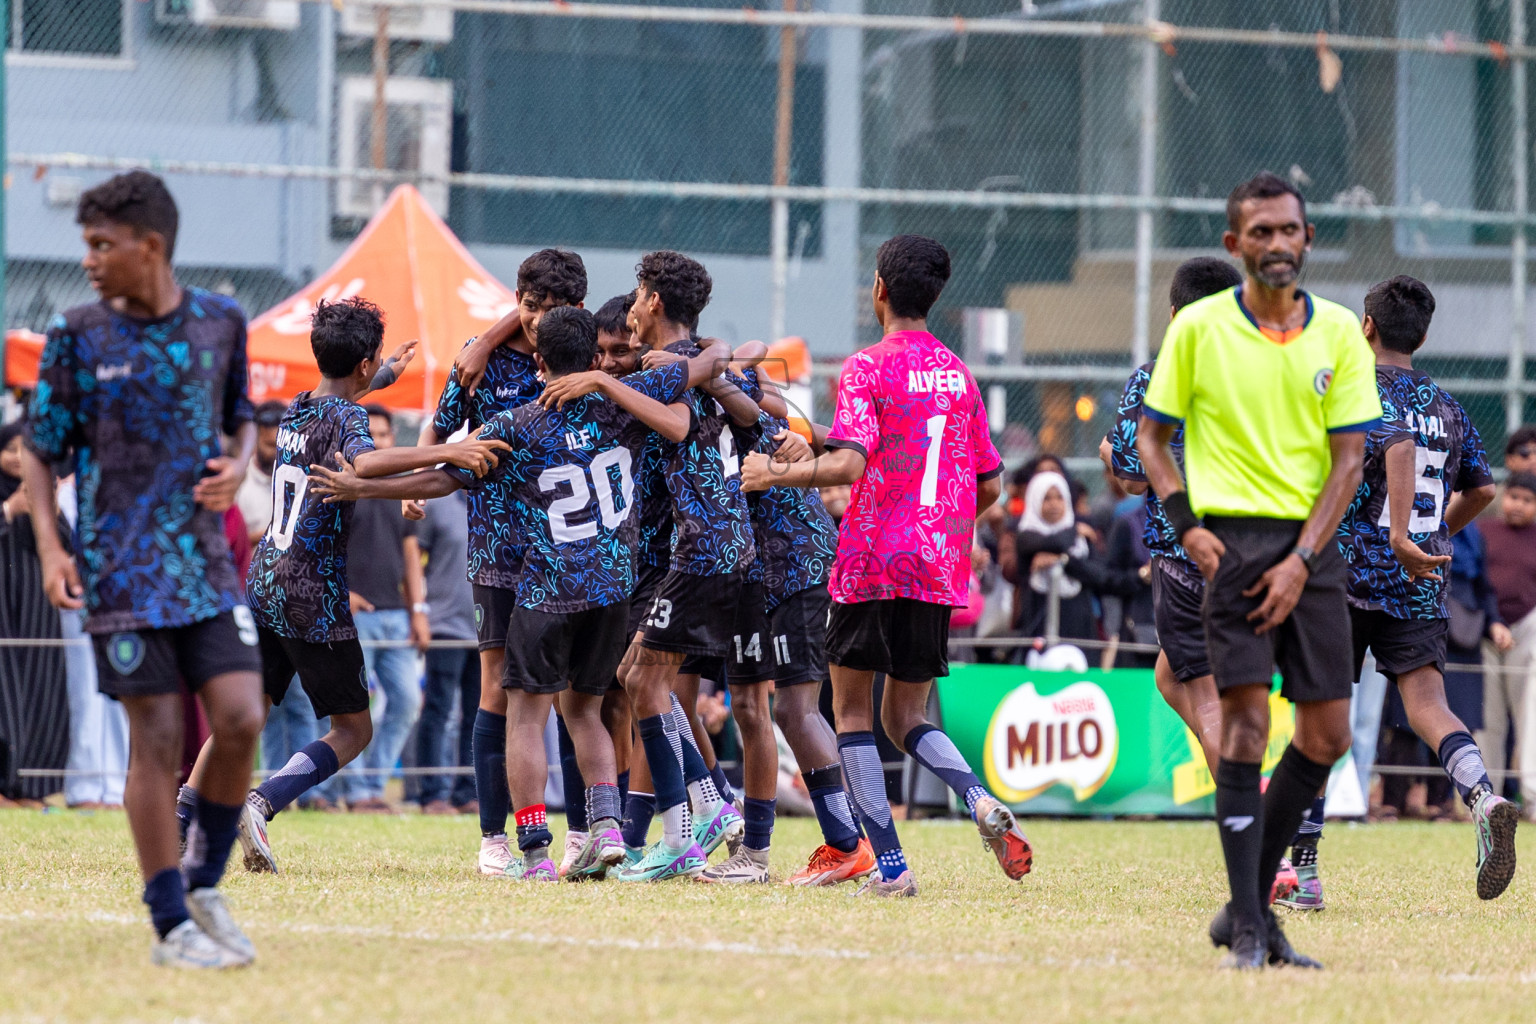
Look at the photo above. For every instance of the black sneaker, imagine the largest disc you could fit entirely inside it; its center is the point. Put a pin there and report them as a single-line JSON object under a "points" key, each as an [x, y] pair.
{"points": [[1278, 949]]}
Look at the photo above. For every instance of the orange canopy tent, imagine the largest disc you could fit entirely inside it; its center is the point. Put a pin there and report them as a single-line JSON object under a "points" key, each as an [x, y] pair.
{"points": [[23, 351], [408, 262]]}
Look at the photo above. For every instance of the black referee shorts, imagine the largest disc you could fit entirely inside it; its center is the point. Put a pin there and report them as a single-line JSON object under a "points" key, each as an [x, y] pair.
{"points": [[1312, 648], [1176, 600]]}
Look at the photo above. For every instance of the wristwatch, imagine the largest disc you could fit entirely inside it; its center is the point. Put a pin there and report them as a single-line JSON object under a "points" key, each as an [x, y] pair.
{"points": [[421, 608], [1308, 557]]}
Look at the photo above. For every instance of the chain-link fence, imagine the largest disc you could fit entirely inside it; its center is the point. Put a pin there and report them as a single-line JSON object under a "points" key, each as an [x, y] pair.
{"points": [[1069, 153]]}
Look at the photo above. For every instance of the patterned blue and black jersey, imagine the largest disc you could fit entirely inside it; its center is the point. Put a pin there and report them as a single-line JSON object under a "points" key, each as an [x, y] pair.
{"points": [[511, 380], [297, 584], [137, 407], [1126, 462], [1448, 457], [711, 529], [655, 503], [571, 476], [795, 535]]}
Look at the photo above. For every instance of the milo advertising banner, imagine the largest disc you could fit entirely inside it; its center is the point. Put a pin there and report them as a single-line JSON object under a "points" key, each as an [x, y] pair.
{"points": [[1090, 743]]}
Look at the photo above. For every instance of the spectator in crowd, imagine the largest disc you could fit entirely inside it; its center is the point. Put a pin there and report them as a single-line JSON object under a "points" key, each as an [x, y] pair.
{"points": [[1507, 690], [1520, 451], [835, 498], [453, 674], [1048, 537], [98, 725], [34, 703], [254, 499], [388, 596]]}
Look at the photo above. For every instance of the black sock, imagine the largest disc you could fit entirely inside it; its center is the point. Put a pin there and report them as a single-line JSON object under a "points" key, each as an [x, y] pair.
{"points": [[1292, 788], [1240, 819], [571, 782], [624, 788], [166, 896]]}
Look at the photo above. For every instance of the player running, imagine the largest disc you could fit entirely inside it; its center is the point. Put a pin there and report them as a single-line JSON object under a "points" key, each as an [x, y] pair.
{"points": [[1274, 388], [133, 392], [1426, 476], [910, 433], [297, 583], [495, 373]]}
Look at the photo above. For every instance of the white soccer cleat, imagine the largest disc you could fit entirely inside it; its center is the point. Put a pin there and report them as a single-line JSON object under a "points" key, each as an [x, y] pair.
{"points": [[744, 867], [252, 832], [575, 842], [188, 946], [211, 913], [495, 854]]}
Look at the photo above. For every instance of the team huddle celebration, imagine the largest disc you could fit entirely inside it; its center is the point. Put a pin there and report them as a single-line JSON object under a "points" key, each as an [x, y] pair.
{"points": [[641, 516]]}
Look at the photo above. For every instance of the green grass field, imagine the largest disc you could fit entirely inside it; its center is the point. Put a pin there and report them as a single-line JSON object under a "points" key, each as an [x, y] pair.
{"points": [[381, 919]]}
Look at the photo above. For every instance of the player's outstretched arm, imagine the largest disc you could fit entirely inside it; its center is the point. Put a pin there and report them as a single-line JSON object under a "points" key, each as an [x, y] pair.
{"points": [[670, 421], [474, 357], [838, 466], [393, 367], [61, 578], [345, 484], [474, 454]]}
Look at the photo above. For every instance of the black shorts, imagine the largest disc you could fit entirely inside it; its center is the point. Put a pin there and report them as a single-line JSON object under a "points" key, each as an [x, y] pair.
{"points": [[750, 658], [907, 640], [647, 581], [799, 630], [694, 614], [1312, 647], [546, 652], [333, 674], [149, 662], [493, 608], [1176, 599], [1400, 645]]}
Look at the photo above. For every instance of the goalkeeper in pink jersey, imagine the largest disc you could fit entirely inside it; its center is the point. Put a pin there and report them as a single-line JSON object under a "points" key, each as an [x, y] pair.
{"points": [[910, 434]]}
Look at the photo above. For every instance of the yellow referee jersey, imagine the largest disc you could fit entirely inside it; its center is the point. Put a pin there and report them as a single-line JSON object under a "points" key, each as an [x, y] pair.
{"points": [[1258, 406]]}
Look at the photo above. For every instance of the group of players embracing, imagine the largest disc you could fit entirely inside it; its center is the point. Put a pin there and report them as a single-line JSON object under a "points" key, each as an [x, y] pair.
{"points": [[640, 515]]}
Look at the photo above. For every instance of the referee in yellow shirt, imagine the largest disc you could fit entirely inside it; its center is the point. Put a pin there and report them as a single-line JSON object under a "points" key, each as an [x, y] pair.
{"points": [[1276, 390]]}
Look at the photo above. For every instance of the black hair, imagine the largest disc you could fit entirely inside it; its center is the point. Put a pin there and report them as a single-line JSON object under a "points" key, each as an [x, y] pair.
{"points": [[1401, 309], [1199, 277], [1264, 185], [137, 199], [1524, 481], [375, 409], [915, 270], [11, 431], [270, 413], [682, 283], [345, 333], [613, 317], [1521, 437], [1027, 472], [556, 272], [567, 340]]}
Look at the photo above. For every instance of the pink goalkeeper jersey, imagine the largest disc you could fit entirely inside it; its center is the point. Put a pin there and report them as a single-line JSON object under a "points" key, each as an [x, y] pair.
{"points": [[911, 407]]}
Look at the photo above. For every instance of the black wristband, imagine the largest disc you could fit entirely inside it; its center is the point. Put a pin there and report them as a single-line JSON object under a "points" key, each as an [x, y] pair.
{"points": [[1180, 516]]}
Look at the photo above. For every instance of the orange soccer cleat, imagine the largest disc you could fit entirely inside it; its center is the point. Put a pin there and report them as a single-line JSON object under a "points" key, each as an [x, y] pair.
{"points": [[829, 865]]}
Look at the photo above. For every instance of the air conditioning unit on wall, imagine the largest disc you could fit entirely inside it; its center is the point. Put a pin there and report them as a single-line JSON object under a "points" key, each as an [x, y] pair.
{"points": [[270, 14], [419, 138], [427, 24]]}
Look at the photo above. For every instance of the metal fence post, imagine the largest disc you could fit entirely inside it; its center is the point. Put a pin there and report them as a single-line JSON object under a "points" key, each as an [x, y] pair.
{"points": [[1514, 398], [1146, 186]]}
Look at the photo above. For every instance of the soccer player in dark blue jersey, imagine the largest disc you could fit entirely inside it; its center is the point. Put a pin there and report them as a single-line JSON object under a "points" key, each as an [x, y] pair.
{"points": [[495, 373], [695, 606], [133, 394], [297, 583], [1183, 670], [570, 471], [1426, 477]]}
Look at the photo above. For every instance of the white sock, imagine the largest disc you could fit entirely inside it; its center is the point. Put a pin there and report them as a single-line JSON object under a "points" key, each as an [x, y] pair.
{"points": [[705, 797], [677, 826]]}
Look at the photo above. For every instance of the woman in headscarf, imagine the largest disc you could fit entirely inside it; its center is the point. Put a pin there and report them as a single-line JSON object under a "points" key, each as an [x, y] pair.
{"points": [[34, 703], [1048, 536]]}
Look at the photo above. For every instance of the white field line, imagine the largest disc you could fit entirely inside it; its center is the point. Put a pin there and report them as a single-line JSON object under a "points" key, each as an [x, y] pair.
{"points": [[678, 944]]}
